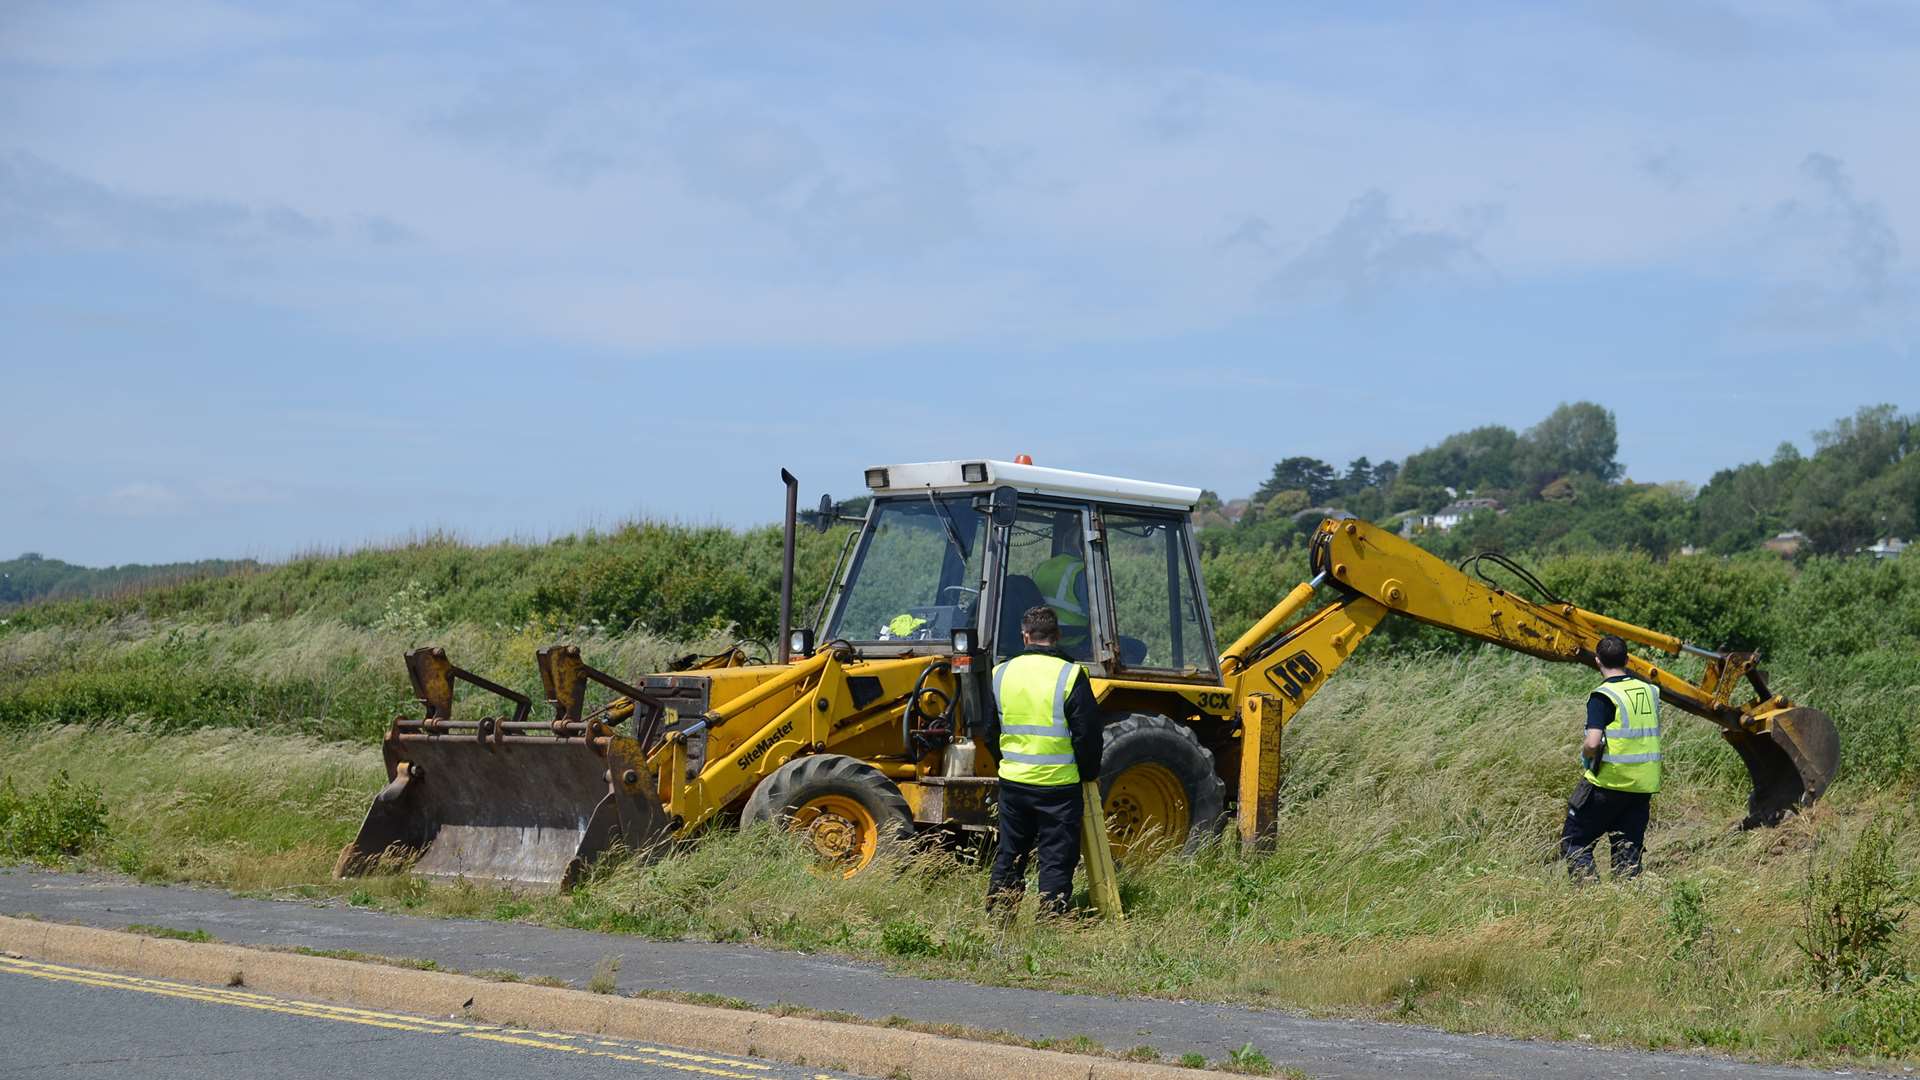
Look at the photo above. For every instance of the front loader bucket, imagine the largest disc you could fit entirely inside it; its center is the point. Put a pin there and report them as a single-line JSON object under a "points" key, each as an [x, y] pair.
{"points": [[532, 811], [1791, 759], [503, 798]]}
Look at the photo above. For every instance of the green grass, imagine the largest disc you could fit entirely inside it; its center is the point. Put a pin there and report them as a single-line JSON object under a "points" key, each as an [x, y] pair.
{"points": [[196, 936], [1409, 881], [412, 963]]}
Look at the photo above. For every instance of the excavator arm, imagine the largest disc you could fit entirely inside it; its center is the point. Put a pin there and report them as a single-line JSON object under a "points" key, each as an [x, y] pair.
{"points": [[1791, 751]]}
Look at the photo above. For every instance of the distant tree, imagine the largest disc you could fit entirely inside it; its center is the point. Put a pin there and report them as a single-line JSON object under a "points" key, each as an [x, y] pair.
{"points": [[1385, 473], [1481, 458], [1368, 503], [1311, 475], [1574, 438], [1359, 476], [1856, 488], [1741, 506], [1282, 503]]}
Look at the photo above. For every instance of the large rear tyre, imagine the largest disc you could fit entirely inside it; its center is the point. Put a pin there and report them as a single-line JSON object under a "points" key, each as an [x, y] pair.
{"points": [[1158, 786], [844, 809]]}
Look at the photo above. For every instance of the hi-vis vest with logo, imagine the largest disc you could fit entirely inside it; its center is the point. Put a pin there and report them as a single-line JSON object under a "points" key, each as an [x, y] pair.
{"points": [[1056, 579], [1035, 746], [1632, 761]]}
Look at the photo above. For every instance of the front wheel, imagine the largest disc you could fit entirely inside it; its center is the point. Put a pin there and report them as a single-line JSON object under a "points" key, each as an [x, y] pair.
{"points": [[844, 808], [1158, 786]]}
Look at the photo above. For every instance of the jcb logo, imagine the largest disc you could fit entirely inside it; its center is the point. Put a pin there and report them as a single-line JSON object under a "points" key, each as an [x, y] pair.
{"points": [[1294, 675]]}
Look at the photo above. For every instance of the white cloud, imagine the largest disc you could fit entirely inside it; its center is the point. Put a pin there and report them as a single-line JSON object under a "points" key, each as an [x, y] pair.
{"points": [[1834, 262], [142, 500], [1370, 252]]}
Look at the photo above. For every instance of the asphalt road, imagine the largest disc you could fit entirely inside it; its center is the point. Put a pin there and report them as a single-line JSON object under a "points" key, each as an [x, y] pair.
{"points": [[66, 1022]]}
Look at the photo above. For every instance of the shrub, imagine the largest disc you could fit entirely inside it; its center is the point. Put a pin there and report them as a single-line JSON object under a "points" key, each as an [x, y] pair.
{"points": [[906, 937], [1853, 912], [1687, 918], [1886, 1022], [63, 819], [1248, 1061]]}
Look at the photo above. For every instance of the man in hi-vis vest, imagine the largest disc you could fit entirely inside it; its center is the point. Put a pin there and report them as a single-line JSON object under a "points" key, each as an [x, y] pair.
{"points": [[1621, 759], [1062, 581], [1043, 729]]}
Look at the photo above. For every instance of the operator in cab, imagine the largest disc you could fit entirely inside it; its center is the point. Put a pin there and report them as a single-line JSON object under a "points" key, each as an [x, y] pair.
{"points": [[1620, 759], [1044, 733], [1062, 581]]}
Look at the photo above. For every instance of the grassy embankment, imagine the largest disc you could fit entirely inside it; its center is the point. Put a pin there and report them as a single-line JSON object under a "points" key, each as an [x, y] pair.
{"points": [[1409, 880]]}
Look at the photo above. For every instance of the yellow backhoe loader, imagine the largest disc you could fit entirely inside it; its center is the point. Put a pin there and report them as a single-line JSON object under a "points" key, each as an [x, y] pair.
{"points": [[860, 734]]}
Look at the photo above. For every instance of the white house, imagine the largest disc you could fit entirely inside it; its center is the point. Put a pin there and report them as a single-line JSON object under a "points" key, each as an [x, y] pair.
{"points": [[1886, 548], [1455, 512]]}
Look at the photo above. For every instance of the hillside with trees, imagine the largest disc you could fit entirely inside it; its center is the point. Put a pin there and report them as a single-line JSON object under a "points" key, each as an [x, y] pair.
{"points": [[1558, 487], [35, 577]]}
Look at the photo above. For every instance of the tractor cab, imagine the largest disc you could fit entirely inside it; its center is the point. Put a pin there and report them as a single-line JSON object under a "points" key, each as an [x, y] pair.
{"points": [[951, 554]]}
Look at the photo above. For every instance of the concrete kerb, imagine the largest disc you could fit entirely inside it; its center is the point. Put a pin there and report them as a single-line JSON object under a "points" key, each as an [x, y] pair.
{"points": [[820, 1043]]}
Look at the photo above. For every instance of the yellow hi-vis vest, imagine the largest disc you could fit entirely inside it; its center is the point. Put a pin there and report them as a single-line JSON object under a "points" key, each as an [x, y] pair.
{"points": [[1035, 746], [1632, 760], [1056, 578]]}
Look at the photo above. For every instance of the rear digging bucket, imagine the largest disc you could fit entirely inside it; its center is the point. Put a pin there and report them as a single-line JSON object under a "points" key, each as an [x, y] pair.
{"points": [[1791, 762], [530, 811]]}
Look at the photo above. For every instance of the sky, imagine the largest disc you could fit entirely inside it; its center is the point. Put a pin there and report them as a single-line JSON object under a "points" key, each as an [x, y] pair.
{"points": [[276, 279]]}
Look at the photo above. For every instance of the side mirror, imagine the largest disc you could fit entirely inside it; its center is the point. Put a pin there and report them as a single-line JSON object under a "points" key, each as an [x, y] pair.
{"points": [[823, 519], [999, 506]]}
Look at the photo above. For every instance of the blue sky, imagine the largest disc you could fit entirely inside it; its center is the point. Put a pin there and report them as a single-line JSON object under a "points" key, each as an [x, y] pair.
{"points": [[283, 278]]}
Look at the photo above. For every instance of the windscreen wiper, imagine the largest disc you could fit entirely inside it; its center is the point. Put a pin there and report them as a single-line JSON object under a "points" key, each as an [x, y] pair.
{"points": [[953, 531]]}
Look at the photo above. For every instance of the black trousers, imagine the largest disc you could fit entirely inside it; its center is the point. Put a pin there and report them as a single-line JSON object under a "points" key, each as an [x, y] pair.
{"points": [[1594, 812], [1042, 819]]}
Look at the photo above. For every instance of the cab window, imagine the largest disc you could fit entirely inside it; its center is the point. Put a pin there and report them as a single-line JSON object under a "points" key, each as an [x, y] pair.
{"points": [[1155, 602], [917, 574], [1046, 564]]}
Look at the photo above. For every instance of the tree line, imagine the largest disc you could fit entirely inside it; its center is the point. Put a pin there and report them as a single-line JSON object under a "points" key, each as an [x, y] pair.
{"points": [[1559, 488], [33, 576]]}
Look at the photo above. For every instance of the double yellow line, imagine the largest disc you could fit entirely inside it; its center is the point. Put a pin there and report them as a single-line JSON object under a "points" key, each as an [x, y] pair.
{"points": [[587, 1045]]}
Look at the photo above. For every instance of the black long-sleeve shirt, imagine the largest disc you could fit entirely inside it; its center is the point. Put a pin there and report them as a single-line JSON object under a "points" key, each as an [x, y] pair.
{"points": [[1600, 707], [1083, 720]]}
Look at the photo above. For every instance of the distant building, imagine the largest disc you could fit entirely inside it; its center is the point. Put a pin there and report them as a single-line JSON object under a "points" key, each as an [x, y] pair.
{"points": [[1887, 548], [1454, 513], [1688, 549], [1787, 544]]}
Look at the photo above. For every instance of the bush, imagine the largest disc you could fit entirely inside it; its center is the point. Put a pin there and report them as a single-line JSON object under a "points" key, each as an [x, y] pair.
{"points": [[1853, 912], [1886, 1022], [906, 937], [1248, 1061], [1687, 918], [63, 819]]}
